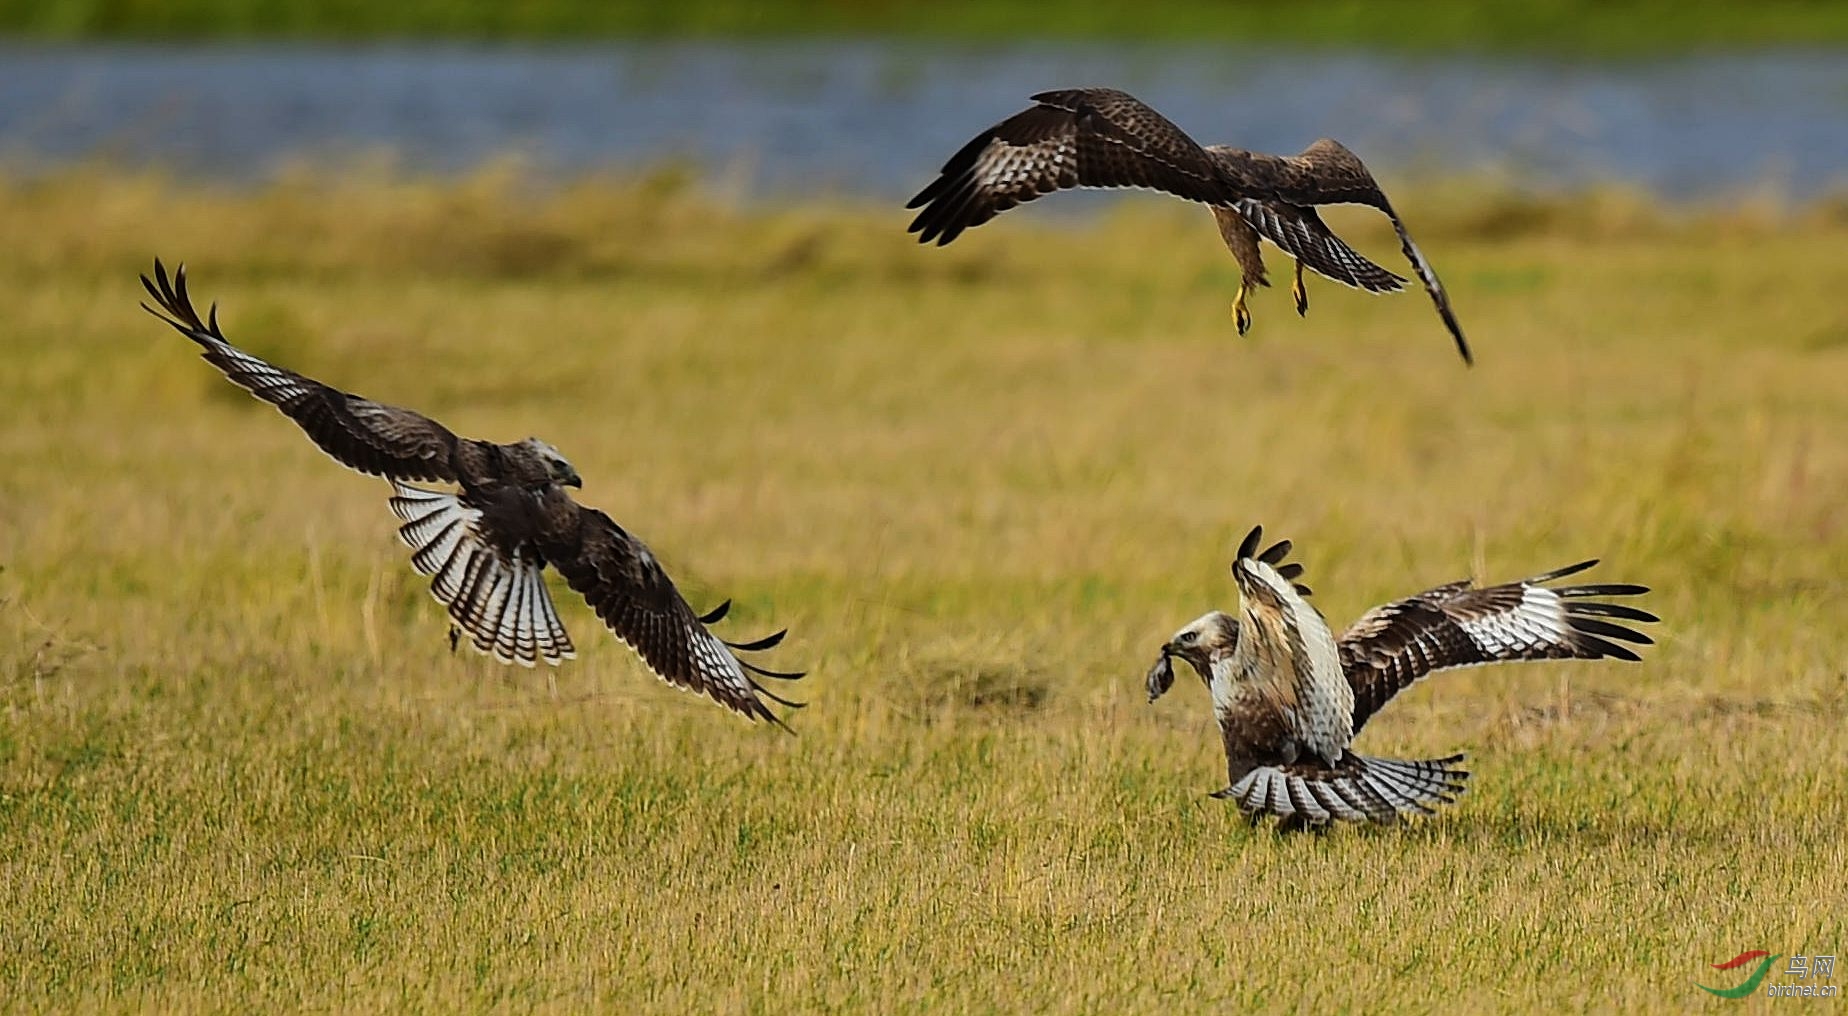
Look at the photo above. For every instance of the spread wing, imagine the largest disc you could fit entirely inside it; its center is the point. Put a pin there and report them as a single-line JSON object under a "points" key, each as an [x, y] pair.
{"points": [[621, 580], [1086, 137], [1458, 625], [368, 436], [1325, 173]]}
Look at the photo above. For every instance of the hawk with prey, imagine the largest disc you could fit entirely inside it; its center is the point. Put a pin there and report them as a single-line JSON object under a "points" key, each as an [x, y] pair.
{"points": [[1100, 137], [487, 544], [1290, 695]]}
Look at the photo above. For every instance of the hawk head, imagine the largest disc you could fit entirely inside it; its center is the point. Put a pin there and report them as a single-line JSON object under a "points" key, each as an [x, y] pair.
{"points": [[1210, 637], [544, 465]]}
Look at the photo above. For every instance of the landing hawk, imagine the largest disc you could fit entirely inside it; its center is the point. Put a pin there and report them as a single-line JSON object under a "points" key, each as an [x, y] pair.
{"points": [[1100, 137], [1290, 696], [488, 543]]}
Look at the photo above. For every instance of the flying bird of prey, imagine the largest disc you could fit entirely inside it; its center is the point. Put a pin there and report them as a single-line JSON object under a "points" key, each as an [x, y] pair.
{"points": [[1100, 137], [487, 544], [1290, 696]]}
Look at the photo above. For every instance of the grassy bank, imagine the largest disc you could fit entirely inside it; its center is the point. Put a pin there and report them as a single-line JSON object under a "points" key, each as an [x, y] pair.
{"points": [[1572, 26], [239, 769]]}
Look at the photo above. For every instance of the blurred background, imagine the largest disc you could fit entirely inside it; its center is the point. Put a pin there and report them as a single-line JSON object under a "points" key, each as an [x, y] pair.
{"points": [[240, 768], [1699, 100]]}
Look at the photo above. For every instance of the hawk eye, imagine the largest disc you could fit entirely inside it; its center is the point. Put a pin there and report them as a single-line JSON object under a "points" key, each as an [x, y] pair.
{"points": [[1189, 637]]}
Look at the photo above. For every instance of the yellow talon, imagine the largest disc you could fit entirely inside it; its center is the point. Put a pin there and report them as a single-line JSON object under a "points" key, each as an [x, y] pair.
{"points": [[1301, 294], [1240, 313]]}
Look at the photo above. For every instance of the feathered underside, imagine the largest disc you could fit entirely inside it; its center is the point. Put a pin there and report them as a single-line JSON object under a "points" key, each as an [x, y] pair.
{"points": [[499, 600], [1459, 625], [629, 590], [1285, 658], [1357, 789], [1102, 138], [1105, 138], [486, 546]]}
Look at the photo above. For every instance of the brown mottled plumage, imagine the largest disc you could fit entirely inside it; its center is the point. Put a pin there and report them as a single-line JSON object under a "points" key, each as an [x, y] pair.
{"points": [[1290, 697], [486, 545], [1101, 137]]}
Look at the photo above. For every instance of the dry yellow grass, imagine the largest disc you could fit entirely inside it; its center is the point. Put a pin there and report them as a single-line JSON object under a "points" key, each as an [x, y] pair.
{"points": [[239, 769]]}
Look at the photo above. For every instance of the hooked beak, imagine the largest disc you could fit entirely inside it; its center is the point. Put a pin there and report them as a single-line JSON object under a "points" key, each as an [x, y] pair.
{"points": [[572, 479]]}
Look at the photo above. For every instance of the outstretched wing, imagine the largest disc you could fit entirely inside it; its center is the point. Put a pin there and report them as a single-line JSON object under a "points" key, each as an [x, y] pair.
{"points": [[621, 580], [1326, 173], [1458, 625], [1085, 137], [368, 436]]}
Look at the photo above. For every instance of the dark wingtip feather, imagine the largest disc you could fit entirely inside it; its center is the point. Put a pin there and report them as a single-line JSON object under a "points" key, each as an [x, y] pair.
{"points": [[1560, 573], [1606, 589], [769, 641], [1610, 631], [1249, 546], [1456, 332], [1605, 649], [1277, 552], [716, 614], [793, 675], [1619, 610], [774, 697], [1290, 571]]}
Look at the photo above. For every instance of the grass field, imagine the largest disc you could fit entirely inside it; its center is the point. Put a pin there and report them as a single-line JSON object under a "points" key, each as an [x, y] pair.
{"points": [[239, 769], [1608, 27]]}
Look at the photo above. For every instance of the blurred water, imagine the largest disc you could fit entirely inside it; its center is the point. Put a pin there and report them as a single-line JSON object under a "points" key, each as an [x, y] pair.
{"points": [[875, 118]]}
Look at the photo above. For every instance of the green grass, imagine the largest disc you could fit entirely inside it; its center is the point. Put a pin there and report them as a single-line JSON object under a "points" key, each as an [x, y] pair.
{"points": [[1572, 26], [239, 769]]}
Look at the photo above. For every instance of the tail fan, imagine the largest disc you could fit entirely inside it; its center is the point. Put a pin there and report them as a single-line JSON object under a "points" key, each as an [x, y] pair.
{"points": [[1359, 789]]}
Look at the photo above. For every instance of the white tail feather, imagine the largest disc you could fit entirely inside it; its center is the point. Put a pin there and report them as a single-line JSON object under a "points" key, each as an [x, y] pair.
{"points": [[502, 605], [1377, 790]]}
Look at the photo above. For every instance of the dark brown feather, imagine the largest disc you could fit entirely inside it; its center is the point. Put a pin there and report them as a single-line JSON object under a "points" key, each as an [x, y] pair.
{"points": [[1079, 138], [1101, 137], [630, 591], [368, 436], [1456, 625]]}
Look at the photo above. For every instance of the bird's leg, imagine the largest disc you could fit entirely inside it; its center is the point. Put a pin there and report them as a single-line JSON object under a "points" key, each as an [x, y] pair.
{"points": [[1301, 294], [1295, 823], [1240, 313]]}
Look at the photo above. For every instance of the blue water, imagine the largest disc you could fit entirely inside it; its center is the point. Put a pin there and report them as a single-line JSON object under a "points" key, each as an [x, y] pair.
{"points": [[875, 118]]}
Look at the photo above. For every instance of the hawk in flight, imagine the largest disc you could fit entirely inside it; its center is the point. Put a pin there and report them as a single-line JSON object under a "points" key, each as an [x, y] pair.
{"points": [[1290, 695], [1100, 137], [487, 544]]}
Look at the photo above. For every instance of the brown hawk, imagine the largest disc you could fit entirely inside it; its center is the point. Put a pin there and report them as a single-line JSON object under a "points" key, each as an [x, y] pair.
{"points": [[487, 544], [1100, 137], [1290, 696]]}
